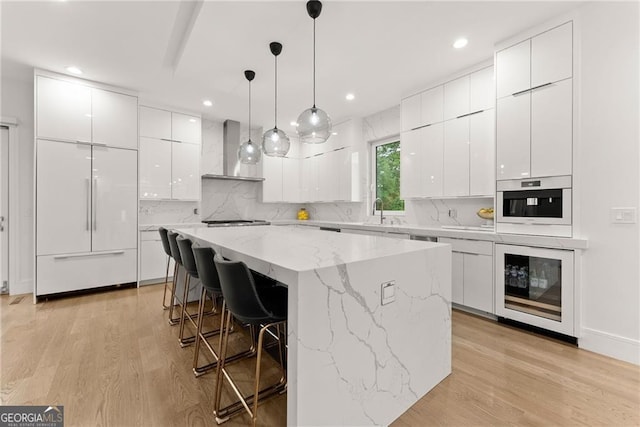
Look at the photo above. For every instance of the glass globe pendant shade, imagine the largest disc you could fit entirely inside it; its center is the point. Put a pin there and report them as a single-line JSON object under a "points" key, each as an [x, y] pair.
{"points": [[314, 126], [275, 143], [249, 153]]}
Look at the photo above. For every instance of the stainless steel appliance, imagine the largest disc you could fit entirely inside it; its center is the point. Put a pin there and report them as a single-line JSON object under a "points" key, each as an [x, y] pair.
{"points": [[540, 206], [234, 222], [536, 286]]}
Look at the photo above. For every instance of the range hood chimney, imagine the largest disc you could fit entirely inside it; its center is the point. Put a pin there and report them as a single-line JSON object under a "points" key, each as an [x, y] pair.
{"points": [[231, 166]]}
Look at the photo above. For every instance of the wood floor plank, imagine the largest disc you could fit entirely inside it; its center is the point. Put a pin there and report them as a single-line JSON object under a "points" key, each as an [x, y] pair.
{"points": [[112, 360]]}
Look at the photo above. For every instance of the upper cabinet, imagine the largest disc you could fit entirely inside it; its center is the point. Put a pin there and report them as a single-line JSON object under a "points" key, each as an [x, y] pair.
{"points": [[74, 112], [169, 155], [540, 60], [454, 156], [534, 122], [115, 119], [422, 109]]}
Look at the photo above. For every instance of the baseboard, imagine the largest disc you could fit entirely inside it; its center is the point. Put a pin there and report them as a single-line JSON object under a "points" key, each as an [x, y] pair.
{"points": [[22, 287], [615, 346]]}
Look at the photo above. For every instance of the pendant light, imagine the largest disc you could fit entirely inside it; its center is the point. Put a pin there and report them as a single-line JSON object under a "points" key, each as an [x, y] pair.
{"points": [[248, 152], [314, 125], [275, 142]]}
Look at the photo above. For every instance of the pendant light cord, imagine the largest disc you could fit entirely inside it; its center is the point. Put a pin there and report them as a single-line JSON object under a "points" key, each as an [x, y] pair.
{"points": [[249, 110], [314, 62], [275, 119]]}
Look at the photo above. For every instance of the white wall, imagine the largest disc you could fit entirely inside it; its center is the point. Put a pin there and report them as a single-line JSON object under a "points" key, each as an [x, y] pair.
{"points": [[17, 102], [608, 163]]}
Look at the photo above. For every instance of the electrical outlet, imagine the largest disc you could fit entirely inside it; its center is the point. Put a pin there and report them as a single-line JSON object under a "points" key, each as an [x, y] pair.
{"points": [[623, 215], [453, 213], [388, 292], [196, 211]]}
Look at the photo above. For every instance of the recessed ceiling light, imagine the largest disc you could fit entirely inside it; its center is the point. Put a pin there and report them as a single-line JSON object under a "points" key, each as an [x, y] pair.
{"points": [[350, 97], [207, 103], [460, 43], [334, 133], [74, 70], [192, 120], [294, 123]]}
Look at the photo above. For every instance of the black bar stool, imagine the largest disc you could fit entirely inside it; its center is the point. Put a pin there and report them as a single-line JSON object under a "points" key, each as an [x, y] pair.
{"points": [[211, 286], [175, 254], [262, 307], [167, 250]]}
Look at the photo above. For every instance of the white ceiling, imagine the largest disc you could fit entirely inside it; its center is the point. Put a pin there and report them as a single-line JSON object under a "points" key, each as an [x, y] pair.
{"points": [[380, 51]]}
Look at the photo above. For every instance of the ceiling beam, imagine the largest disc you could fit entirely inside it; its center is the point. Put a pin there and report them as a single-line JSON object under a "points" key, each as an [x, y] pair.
{"points": [[186, 17]]}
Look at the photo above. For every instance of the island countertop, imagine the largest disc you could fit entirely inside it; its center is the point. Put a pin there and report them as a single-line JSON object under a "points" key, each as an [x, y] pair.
{"points": [[369, 317], [299, 249]]}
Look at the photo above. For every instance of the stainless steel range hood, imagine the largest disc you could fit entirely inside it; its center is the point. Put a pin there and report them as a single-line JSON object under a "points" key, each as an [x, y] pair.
{"points": [[231, 166]]}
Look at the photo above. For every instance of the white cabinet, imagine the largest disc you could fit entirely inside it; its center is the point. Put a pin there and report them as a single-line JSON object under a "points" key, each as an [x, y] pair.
{"points": [[481, 90], [423, 109], [411, 171], [482, 154], [86, 216], [513, 137], [115, 195], [456, 157], [63, 200], [63, 110], [155, 123], [169, 155], [153, 259], [411, 108], [114, 119], [186, 128], [272, 184], [291, 185], [71, 111], [472, 275], [185, 171], [552, 130], [456, 98], [513, 67], [535, 106], [155, 168], [552, 55], [421, 162]]}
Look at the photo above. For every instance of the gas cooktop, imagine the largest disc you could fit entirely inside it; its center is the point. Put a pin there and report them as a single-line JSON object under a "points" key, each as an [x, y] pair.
{"points": [[234, 222]]}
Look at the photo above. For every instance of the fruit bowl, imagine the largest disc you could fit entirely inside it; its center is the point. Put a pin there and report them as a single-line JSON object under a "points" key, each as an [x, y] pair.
{"points": [[485, 213]]}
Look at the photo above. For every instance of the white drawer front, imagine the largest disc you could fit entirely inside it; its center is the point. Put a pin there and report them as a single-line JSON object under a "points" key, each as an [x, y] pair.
{"points": [[468, 246], [63, 273]]}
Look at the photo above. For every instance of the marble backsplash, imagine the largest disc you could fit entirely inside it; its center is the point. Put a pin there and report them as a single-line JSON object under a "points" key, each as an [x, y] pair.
{"points": [[167, 212]]}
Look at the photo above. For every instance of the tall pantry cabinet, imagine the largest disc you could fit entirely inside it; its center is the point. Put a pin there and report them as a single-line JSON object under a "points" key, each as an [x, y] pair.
{"points": [[86, 185]]}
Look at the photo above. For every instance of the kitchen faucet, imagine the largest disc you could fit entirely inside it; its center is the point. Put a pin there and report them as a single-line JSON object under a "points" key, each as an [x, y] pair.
{"points": [[381, 209]]}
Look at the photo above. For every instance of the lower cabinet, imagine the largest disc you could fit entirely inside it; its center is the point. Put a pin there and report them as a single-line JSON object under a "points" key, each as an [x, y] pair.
{"points": [[153, 259], [472, 275]]}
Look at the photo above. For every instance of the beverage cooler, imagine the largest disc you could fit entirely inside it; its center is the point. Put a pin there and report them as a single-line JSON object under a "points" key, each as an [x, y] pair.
{"points": [[536, 286]]}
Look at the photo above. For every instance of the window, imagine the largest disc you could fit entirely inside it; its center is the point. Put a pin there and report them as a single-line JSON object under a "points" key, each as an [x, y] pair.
{"points": [[385, 168]]}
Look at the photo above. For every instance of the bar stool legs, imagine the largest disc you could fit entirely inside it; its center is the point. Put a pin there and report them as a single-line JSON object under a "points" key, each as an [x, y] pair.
{"points": [[165, 306], [249, 403]]}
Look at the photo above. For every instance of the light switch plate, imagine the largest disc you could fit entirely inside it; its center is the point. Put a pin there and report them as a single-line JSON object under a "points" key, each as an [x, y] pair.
{"points": [[623, 215], [388, 292]]}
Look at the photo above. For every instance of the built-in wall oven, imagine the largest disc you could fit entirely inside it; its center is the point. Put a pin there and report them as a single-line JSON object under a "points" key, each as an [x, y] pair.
{"points": [[536, 286], [540, 206]]}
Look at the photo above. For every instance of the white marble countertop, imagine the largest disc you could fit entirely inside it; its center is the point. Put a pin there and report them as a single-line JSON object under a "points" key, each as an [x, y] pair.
{"points": [[298, 250], [155, 227], [470, 233]]}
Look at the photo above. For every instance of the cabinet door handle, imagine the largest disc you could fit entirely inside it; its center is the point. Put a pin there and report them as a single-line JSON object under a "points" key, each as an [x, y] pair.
{"points": [[79, 141], [88, 254], [95, 203], [470, 114], [88, 182], [420, 127], [531, 89], [166, 139], [99, 144]]}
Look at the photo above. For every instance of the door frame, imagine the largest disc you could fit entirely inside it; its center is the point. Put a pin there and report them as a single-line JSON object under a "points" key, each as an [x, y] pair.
{"points": [[13, 217]]}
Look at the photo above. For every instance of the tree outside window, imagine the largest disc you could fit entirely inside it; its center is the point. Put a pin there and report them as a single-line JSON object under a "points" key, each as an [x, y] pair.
{"points": [[387, 175]]}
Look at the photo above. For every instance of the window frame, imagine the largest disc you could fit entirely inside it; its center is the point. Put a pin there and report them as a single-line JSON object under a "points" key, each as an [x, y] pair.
{"points": [[373, 175]]}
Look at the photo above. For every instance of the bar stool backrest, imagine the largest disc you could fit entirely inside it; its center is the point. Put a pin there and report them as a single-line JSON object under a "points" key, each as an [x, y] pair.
{"points": [[207, 269], [239, 292], [165, 240], [173, 245], [186, 253]]}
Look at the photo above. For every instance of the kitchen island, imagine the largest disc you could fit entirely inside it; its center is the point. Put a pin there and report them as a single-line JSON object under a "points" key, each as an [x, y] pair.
{"points": [[352, 360]]}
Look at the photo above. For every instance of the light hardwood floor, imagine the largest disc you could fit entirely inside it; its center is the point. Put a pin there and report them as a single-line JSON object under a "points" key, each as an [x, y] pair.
{"points": [[112, 360]]}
